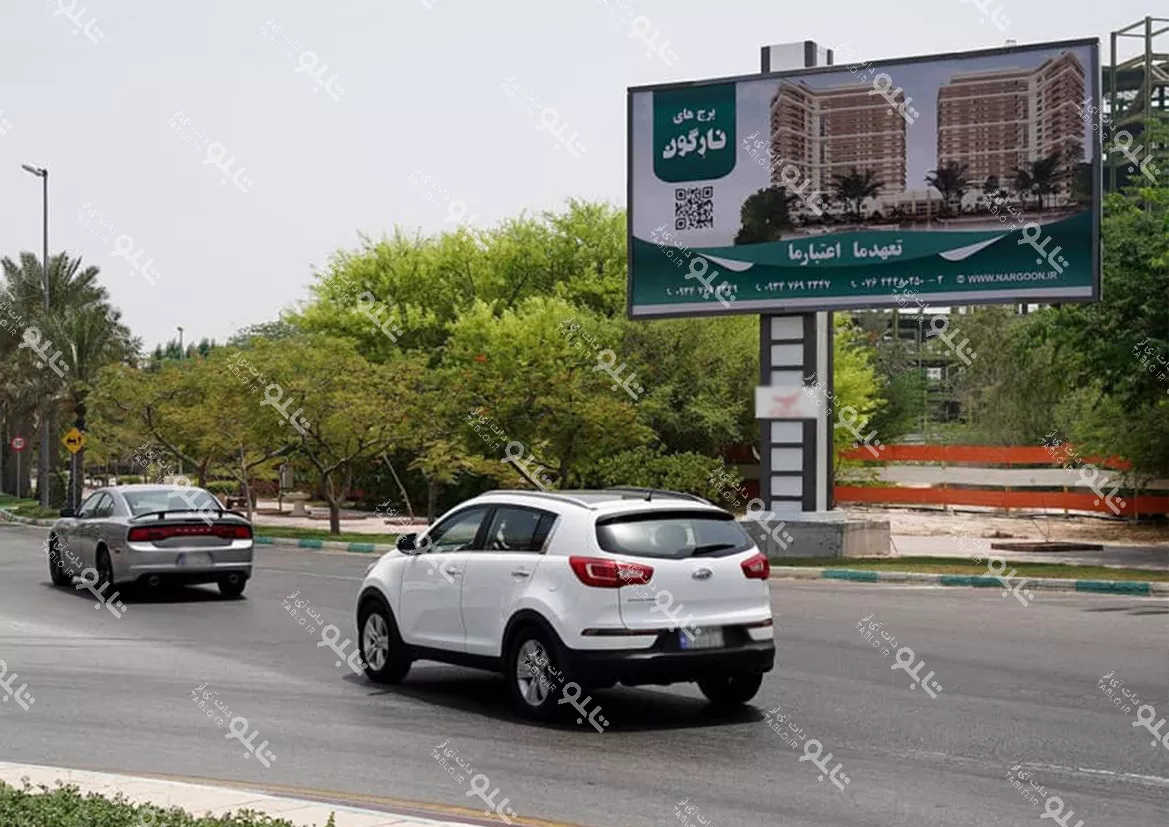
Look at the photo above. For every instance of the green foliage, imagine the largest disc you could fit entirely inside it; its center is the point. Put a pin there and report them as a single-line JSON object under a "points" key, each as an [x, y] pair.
{"points": [[647, 467], [856, 385], [222, 487], [765, 215], [64, 806]]}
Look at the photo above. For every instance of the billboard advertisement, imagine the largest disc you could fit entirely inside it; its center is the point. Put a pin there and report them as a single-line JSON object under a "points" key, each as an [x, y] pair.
{"points": [[970, 178]]}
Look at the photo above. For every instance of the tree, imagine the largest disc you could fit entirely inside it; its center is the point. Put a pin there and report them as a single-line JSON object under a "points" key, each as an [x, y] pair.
{"points": [[855, 385], [541, 390], [854, 188], [76, 304], [765, 215], [1040, 178], [355, 410], [91, 338], [951, 181]]}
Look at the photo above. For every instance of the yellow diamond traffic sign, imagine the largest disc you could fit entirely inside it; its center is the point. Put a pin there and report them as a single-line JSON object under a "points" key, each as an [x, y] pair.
{"points": [[74, 440]]}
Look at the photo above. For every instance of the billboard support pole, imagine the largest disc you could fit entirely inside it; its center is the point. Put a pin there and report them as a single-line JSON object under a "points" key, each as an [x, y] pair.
{"points": [[795, 455]]}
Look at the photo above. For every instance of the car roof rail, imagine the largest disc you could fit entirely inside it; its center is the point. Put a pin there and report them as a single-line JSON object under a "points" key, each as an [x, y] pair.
{"points": [[565, 498], [649, 492]]}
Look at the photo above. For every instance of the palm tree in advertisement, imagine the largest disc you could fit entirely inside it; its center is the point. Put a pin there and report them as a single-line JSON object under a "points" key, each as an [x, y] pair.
{"points": [[854, 188], [1040, 178], [951, 181]]}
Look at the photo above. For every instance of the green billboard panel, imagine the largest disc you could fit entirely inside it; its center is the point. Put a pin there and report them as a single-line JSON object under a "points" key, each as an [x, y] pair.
{"points": [[964, 179]]}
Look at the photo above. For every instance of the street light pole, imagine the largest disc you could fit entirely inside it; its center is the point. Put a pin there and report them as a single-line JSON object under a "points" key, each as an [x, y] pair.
{"points": [[43, 470]]}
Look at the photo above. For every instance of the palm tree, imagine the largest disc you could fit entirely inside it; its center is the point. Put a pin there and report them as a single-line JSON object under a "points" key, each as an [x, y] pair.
{"points": [[91, 338], [854, 188], [78, 312], [1046, 175], [1041, 178], [951, 181]]}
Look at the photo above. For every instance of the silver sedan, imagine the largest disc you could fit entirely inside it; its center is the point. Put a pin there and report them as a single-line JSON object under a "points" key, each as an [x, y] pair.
{"points": [[152, 534]]}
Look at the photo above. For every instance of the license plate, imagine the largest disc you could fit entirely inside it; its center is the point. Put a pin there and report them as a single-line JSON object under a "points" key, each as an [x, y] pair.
{"points": [[194, 558], [702, 638]]}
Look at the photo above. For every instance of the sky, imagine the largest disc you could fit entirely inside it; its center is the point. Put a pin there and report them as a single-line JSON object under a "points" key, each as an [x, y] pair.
{"points": [[402, 86]]}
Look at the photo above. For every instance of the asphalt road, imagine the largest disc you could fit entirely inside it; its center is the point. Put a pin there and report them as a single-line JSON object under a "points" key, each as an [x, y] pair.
{"points": [[114, 694]]}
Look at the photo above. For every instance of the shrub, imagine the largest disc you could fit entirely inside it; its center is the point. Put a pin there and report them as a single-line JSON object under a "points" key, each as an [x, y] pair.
{"points": [[64, 806], [223, 487], [129, 479]]}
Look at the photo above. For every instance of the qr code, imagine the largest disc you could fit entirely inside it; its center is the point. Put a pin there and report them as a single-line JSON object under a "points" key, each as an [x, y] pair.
{"points": [[693, 208]]}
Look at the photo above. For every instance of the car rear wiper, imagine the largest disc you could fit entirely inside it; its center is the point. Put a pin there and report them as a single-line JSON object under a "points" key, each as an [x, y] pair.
{"points": [[710, 549]]}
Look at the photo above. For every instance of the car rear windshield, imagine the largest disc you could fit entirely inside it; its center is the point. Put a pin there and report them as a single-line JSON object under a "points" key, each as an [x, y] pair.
{"points": [[144, 502], [672, 535]]}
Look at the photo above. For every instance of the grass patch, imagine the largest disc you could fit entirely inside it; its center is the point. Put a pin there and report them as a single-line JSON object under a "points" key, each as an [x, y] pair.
{"points": [[293, 533], [22, 507], [64, 806], [959, 566]]}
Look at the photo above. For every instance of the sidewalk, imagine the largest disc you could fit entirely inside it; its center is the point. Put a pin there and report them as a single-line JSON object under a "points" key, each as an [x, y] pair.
{"points": [[198, 799], [354, 522], [1153, 557]]}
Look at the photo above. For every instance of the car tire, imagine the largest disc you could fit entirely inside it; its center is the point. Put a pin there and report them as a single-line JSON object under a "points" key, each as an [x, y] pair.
{"points": [[386, 656], [105, 569], [732, 689], [57, 571], [534, 695], [233, 585]]}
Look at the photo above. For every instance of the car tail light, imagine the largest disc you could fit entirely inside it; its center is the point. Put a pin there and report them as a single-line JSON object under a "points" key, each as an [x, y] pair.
{"points": [[609, 574], [152, 534], [757, 567]]}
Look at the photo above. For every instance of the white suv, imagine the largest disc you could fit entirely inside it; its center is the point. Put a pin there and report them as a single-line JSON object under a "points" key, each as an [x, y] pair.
{"points": [[595, 587]]}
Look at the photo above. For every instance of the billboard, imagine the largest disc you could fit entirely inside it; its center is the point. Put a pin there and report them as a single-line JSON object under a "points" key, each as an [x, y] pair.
{"points": [[970, 178]]}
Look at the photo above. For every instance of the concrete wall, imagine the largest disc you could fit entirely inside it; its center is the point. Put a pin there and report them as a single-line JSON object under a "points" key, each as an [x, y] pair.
{"points": [[821, 535]]}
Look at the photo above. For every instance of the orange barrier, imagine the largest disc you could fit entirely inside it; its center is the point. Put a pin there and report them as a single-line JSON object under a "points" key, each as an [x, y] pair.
{"points": [[1000, 498], [976, 455], [992, 497]]}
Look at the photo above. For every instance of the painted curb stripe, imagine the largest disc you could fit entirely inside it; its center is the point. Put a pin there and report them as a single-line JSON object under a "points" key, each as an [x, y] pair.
{"points": [[849, 574], [967, 580], [363, 548], [310, 544], [1113, 586], [1132, 587]]}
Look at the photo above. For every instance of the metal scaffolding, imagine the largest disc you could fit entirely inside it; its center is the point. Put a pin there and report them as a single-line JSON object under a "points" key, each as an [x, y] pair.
{"points": [[1136, 95]]}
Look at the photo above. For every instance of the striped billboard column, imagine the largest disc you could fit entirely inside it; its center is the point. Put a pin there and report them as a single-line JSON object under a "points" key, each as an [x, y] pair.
{"points": [[796, 451]]}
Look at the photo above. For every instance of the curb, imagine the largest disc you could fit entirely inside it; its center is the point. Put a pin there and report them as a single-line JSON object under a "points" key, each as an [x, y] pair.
{"points": [[198, 798], [9, 517], [1051, 584], [322, 545], [258, 539]]}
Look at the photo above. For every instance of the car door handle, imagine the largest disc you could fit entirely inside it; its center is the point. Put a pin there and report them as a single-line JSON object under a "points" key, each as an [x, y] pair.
{"points": [[521, 573], [454, 572]]}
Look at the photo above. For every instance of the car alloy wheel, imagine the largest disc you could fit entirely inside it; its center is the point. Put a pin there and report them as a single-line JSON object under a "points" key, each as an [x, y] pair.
{"points": [[57, 571], [375, 641], [387, 657], [533, 687], [105, 570]]}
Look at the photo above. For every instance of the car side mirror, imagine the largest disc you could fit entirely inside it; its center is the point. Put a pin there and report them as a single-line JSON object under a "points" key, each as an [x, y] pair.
{"points": [[407, 544], [68, 512]]}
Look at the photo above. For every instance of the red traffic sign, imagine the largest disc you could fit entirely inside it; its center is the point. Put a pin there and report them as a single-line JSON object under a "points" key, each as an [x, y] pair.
{"points": [[18, 443]]}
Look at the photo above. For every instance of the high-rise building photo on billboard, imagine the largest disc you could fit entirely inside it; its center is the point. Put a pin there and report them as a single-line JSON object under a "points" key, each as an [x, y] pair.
{"points": [[967, 178]]}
